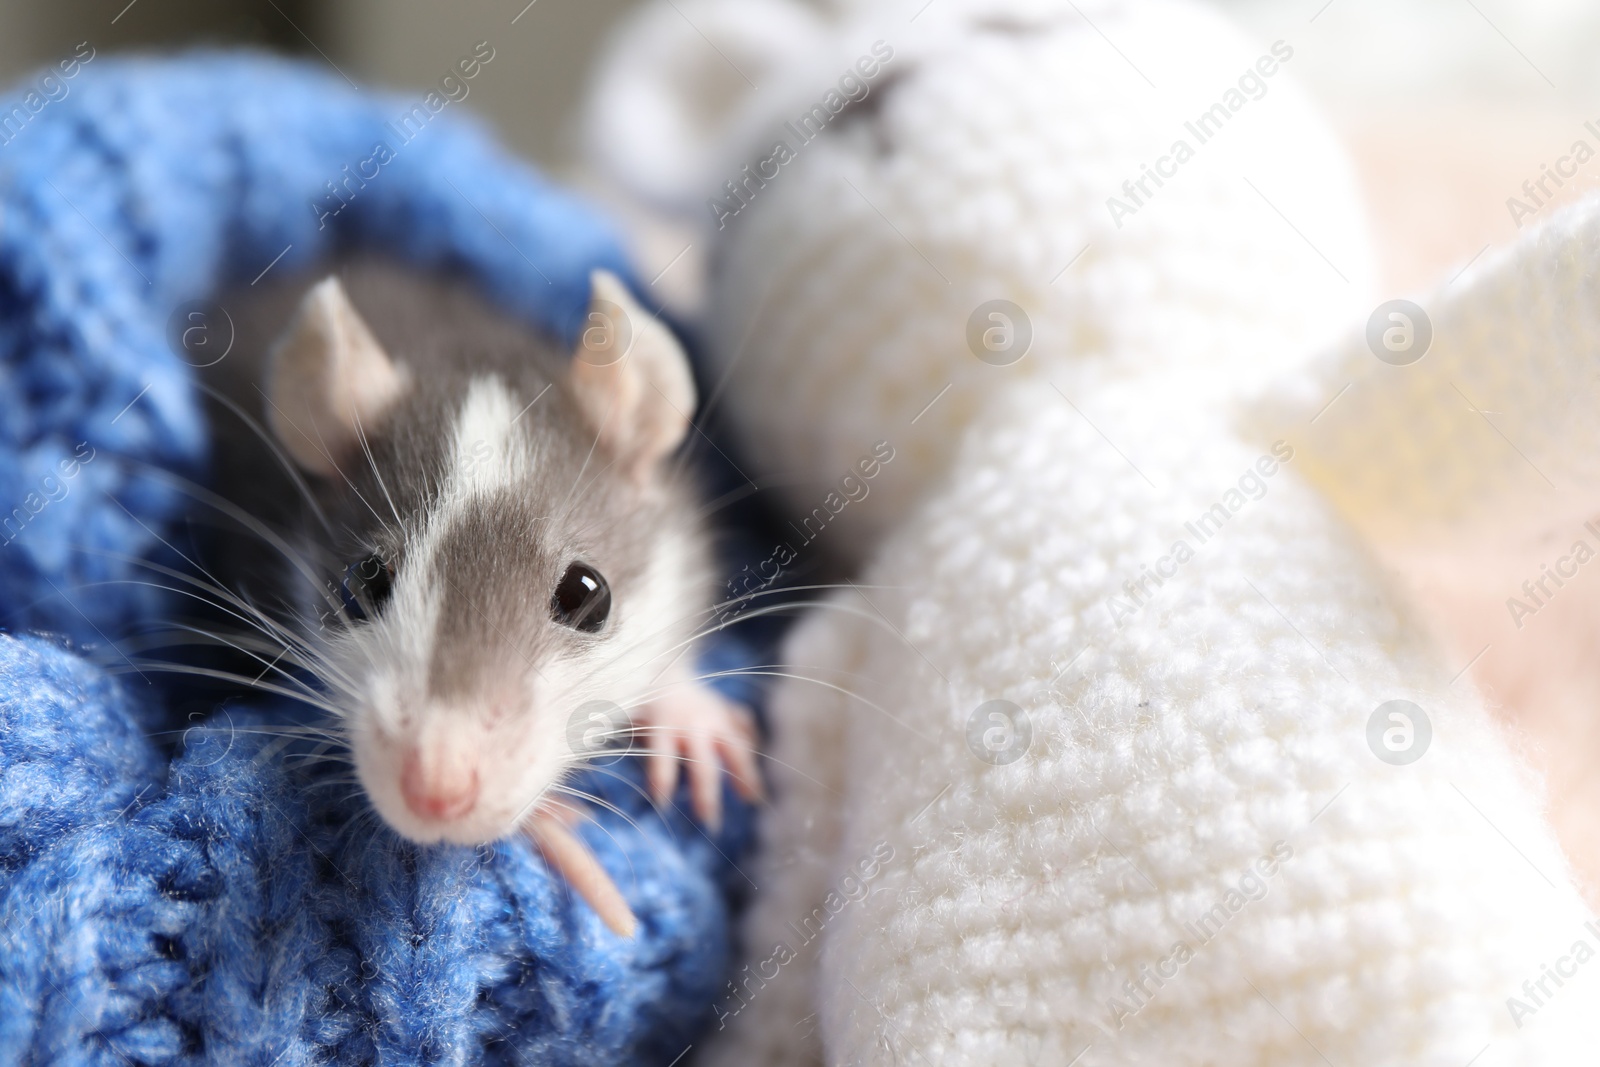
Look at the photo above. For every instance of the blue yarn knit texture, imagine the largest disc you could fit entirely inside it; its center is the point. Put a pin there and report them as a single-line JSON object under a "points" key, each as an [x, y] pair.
{"points": [[216, 900]]}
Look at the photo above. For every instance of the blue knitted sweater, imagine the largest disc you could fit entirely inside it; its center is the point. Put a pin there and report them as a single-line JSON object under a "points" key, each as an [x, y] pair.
{"points": [[212, 899]]}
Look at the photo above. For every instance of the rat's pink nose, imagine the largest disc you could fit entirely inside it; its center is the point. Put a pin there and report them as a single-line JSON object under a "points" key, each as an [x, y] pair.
{"points": [[436, 790]]}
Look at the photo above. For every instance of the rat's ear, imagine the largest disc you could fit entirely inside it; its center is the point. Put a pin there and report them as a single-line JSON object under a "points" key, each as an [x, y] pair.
{"points": [[630, 378], [674, 81], [328, 380]]}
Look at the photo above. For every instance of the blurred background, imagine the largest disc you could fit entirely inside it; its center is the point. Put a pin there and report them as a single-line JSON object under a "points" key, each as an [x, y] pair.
{"points": [[535, 83], [1448, 105]]}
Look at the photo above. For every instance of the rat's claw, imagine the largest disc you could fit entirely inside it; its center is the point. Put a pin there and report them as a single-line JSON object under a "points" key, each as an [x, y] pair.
{"points": [[661, 766], [740, 755], [705, 779], [570, 857]]}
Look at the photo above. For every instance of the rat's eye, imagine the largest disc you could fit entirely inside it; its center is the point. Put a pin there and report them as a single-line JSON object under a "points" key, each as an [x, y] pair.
{"points": [[582, 599], [367, 585]]}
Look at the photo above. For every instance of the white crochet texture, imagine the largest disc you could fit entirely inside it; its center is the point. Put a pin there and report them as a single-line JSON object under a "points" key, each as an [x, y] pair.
{"points": [[1170, 754], [1407, 452], [1182, 729], [979, 167]]}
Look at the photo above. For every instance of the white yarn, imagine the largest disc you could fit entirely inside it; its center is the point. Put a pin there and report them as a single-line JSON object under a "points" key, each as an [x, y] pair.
{"points": [[1406, 450], [1172, 753], [1011, 124], [1177, 735]]}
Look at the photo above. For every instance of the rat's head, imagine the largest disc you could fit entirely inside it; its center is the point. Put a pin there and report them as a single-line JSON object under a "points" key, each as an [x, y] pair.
{"points": [[507, 548]]}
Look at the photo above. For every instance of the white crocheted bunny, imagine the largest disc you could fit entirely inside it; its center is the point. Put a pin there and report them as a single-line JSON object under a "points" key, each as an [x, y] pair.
{"points": [[1122, 748]]}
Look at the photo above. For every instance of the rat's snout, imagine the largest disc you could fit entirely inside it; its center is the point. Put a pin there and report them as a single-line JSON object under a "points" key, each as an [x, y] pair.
{"points": [[438, 784]]}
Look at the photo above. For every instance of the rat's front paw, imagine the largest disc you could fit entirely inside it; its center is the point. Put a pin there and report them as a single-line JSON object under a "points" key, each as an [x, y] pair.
{"points": [[698, 725]]}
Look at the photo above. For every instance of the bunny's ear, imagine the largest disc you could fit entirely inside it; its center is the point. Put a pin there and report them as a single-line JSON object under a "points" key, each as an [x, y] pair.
{"points": [[672, 84], [1468, 415]]}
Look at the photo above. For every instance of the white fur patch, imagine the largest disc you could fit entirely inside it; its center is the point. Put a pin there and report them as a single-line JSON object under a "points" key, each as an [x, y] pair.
{"points": [[486, 453]]}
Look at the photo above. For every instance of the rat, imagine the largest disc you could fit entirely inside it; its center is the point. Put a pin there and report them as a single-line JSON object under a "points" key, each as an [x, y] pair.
{"points": [[478, 544]]}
